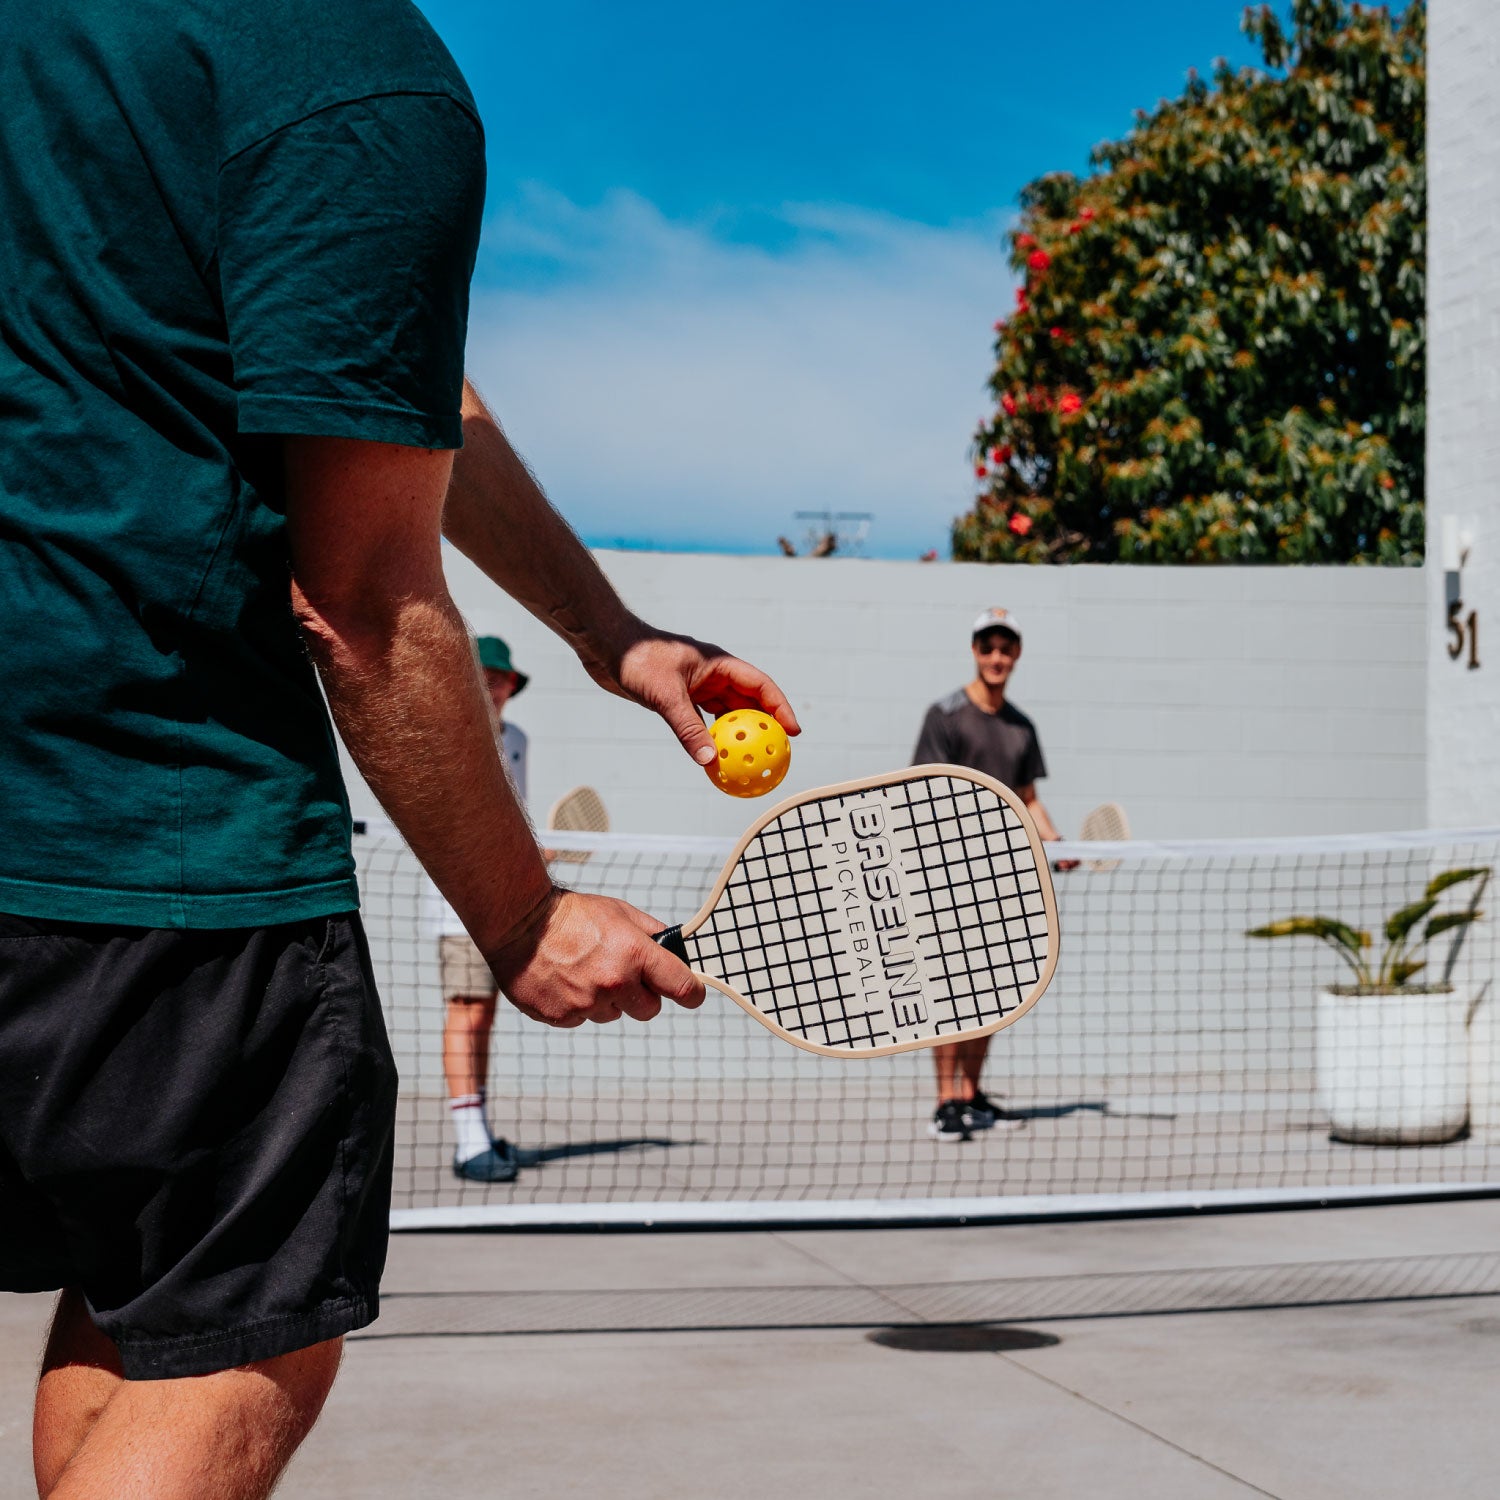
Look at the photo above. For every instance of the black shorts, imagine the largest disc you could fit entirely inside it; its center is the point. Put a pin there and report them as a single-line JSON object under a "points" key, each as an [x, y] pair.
{"points": [[195, 1131]]}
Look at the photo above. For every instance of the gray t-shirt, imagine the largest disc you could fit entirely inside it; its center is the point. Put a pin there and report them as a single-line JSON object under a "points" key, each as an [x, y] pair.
{"points": [[1002, 745]]}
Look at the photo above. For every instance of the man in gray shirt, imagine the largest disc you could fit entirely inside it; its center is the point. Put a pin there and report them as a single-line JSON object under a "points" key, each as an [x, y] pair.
{"points": [[976, 727]]}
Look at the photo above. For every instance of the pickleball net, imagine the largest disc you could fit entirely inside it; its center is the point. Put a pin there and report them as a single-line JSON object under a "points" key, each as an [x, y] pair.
{"points": [[1174, 1063]]}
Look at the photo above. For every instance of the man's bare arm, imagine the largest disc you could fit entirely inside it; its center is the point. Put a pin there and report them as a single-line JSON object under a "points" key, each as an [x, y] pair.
{"points": [[498, 517], [397, 664], [1039, 814], [1043, 820]]}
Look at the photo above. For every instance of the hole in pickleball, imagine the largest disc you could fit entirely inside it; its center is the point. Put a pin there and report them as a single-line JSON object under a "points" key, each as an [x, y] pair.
{"points": [[765, 726], [723, 755], [961, 1338], [749, 759], [739, 734]]}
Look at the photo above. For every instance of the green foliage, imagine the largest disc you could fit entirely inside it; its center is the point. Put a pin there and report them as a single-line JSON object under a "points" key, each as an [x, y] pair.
{"points": [[1402, 922], [1217, 352], [1448, 921], [1397, 966], [1440, 883]]}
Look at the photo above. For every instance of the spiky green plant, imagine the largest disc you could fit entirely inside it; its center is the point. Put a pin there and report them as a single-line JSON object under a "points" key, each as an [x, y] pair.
{"points": [[1406, 932]]}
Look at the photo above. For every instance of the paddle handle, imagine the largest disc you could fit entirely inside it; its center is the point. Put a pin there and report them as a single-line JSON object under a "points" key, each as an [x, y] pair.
{"points": [[670, 938]]}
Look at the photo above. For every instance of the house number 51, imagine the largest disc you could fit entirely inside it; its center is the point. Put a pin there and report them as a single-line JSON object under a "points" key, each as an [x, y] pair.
{"points": [[1463, 632]]}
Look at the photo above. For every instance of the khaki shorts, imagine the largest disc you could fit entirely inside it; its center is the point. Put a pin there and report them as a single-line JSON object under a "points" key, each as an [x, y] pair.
{"points": [[465, 973]]}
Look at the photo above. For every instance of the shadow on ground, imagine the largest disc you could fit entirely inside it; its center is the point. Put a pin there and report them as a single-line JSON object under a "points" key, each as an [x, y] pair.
{"points": [[1006, 1300], [535, 1156]]}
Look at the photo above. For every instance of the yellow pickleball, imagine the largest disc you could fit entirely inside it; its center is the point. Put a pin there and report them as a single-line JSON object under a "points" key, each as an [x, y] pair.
{"points": [[753, 753]]}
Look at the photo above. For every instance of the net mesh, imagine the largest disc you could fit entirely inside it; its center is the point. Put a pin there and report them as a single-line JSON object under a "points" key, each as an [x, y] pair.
{"points": [[1172, 1052]]}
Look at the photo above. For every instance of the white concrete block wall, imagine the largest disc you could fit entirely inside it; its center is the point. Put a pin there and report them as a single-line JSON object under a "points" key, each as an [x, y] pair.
{"points": [[1463, 401], [1211, 703]]}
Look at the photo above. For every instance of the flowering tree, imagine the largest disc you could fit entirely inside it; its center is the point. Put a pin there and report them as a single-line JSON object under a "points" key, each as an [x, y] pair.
{"points": [[1216, 354]]}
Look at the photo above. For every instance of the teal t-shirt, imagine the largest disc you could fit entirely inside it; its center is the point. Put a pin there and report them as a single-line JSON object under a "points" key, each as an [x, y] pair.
{"points": [[219, 223]]}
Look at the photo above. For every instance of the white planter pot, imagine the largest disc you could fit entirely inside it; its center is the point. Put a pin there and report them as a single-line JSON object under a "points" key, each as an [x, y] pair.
{"points": [[1484, 1070], [1394, 1069]]}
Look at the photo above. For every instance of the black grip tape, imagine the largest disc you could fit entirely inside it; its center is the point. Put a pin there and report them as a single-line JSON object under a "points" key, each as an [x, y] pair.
{"points": [[671, 939]]}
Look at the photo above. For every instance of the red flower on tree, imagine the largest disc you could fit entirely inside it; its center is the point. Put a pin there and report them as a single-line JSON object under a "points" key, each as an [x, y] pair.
{"points": [[1020, 524], [1008, 404], [1086, 214], [1038, 260], [1070, 403], [1055, 332], [1001, 455], [980, 471], [1025, 241]]}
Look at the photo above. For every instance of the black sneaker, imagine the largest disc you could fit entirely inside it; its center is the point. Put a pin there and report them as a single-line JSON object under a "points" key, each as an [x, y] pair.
{"points": [[985, 1114], [498, 1164], [950, 1122]]}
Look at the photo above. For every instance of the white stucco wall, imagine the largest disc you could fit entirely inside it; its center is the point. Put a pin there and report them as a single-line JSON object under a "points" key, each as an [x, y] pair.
{"points": [[1210, 702], [1463, 402]]}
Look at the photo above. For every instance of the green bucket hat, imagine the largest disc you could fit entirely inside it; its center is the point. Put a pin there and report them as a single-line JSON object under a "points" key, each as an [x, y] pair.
{"points": [[495, 654]]}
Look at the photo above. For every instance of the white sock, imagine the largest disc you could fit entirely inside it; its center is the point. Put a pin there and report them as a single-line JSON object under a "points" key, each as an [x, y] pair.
{"points": [[471, 1131]]}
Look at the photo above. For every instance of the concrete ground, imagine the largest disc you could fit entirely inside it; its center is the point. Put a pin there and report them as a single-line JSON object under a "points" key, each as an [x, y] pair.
{"points": [[1352, 1399]]}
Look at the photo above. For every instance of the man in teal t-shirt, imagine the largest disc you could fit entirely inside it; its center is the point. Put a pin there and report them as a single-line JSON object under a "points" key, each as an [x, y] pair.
{"points": [[235, 247], [202, 207]]}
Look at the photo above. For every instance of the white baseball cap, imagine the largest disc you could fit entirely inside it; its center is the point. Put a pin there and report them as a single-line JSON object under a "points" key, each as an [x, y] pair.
{"points": [[996, 618]]}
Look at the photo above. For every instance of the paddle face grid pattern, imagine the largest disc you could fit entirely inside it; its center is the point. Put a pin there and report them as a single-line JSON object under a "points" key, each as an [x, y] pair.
{"points": [[1106, 824], [579, 811], [891, 914]]}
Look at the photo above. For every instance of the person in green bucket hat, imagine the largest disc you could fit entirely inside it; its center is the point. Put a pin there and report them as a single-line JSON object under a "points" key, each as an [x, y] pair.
{"points": [[470, 992], [494, 657]]}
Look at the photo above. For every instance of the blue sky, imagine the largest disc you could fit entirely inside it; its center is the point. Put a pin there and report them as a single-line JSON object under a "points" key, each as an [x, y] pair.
{"points": [[742, 260]]}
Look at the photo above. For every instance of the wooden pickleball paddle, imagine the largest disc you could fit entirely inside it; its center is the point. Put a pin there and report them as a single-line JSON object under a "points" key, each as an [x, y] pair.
{"points": [[879, 915]]}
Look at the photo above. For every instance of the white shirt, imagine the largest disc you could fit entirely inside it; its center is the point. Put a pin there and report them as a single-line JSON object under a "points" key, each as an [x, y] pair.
{"points": [[513, 753], [438, 917]]}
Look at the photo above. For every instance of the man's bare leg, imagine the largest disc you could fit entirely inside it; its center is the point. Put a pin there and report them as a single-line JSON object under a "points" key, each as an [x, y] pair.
{"points": [[945, 1067], [466, 1043], [466, 1067], [958, 1066], [971, 1056], [80, 1374], [228, 1436]]}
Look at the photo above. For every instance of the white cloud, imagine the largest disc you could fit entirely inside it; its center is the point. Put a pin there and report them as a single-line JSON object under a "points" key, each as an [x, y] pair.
{"points": [[670, 384]]}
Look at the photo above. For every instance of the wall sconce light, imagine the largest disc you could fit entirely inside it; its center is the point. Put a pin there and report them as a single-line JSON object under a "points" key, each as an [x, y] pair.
{"points": [[1456, 544]]}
